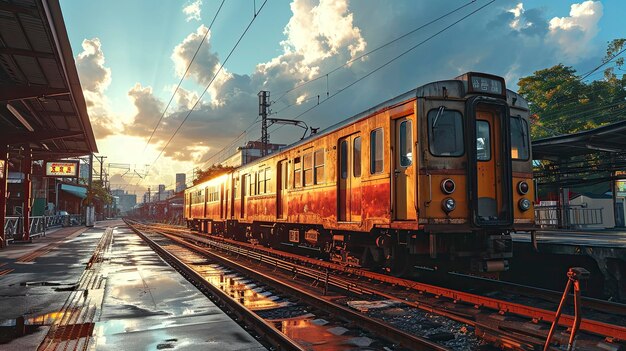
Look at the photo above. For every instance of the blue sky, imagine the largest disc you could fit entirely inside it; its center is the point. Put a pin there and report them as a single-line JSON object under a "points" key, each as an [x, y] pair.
{"points": [[130, 55]]}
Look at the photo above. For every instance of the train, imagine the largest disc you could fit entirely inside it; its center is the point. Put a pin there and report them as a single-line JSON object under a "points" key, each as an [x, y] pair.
{"points": [[437, 177]]}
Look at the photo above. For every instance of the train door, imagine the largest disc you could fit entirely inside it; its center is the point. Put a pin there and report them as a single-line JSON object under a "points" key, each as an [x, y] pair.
{"points": [[233, 195], [404, 175], [349, 184], [244, 184], [281, 190], [492, 165], [222, 200]]}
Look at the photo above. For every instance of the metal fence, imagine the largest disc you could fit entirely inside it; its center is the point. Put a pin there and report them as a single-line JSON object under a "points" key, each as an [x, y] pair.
{"points": [[572, 216], [14, 226]]}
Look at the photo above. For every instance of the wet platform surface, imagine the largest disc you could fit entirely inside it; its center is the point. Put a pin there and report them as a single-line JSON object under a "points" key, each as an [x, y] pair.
{"points": [[129, 300]]}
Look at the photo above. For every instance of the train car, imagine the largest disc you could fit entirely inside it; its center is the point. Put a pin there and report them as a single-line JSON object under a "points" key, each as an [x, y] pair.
{"points": [[438, 177]]}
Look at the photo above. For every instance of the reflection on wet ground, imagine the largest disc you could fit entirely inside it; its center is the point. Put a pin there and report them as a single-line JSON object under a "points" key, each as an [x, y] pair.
{"points": [[240, 289], [149, 306], [317, 334]]}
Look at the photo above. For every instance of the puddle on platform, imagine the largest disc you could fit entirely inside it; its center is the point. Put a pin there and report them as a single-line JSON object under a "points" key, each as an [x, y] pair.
{"points": [[12, 329], [317, 334], [247, 294]]}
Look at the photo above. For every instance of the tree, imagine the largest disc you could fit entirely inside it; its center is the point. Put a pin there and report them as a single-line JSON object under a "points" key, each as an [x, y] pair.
{"points": [[211, 172], [562, 103], [98, 193]]}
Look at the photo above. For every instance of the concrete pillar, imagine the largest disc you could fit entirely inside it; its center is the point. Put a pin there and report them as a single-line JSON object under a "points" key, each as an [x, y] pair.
{"points": [[4, 174], [27, 167]]}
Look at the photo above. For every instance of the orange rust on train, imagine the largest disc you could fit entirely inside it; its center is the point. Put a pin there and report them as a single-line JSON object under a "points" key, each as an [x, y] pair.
{"points": [[438, 176]]}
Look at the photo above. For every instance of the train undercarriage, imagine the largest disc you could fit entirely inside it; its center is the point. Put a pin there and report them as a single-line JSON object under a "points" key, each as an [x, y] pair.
{"points": [[392, 251]]}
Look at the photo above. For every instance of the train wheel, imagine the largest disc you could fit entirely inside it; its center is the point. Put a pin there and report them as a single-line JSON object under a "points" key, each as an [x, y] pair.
{"points": [[399, 263]]}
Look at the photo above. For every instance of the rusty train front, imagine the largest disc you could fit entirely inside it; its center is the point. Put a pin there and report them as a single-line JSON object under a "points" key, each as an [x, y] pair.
{"points": [[436, 177]]}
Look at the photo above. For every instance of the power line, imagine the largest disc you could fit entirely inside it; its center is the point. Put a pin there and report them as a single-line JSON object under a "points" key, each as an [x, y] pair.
{"points": [[372, 51], [183, 77], [393, 59], [603, 63], [208, 85]]}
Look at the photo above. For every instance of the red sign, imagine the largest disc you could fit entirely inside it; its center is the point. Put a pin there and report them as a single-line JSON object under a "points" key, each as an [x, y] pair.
{"points": [[62, 169]]}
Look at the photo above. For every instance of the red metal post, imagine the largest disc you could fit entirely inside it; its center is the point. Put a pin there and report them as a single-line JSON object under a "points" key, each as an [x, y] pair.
{"points": [[4, 173], [574, 276], [27, 166]]}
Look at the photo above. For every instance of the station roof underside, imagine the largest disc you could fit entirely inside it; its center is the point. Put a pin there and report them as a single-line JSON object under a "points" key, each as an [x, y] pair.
{"points": [[610, 138], [41, 100]]}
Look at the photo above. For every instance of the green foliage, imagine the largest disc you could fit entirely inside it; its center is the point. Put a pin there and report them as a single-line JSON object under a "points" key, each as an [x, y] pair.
{"points": [[210, 173], [562, 103], [98, 193]]}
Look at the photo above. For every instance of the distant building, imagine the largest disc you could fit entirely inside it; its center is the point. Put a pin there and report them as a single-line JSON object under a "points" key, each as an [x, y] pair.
{"points": [[248, 153], [181, 179], [125, 201]]}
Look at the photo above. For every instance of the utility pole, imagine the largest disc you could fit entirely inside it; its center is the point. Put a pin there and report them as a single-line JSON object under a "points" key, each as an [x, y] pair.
{"points": [[101, 166], [264, 104]]}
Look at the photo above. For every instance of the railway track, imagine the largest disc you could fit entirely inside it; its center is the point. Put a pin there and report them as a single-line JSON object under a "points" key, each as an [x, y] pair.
{"points": [[381, 334], [518, 320]]}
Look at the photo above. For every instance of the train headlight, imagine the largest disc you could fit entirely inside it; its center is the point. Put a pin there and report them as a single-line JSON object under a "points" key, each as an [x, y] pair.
{"points": [[524, 204], [448, 186], [522, 187], [448, 204]]}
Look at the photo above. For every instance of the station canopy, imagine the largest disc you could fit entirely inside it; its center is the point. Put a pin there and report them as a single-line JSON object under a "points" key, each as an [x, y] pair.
{"points": [[610, 138], [41, 101], [587, 159]]}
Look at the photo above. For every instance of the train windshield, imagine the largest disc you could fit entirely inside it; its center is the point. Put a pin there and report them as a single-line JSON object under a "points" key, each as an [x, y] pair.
{"points": [[519, 139], [445, 132]]}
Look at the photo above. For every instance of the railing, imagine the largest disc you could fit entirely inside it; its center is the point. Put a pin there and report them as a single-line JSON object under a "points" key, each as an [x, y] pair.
{"points": [[572, 216], [14, 226]]}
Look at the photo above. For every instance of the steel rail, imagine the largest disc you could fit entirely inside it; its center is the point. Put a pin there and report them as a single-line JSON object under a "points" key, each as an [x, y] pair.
{"points": [[503, 307], [385, 331], [256, 323]]}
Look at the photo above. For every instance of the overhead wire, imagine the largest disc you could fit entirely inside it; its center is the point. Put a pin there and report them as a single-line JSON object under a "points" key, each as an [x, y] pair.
{"points": [[393, 59], [208, 85], [323, 75], [183, 77]]}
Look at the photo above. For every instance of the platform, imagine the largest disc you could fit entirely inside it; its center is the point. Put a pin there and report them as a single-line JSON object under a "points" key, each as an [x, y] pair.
{"points": [[601, 252], [62, 295], [615, 238]]}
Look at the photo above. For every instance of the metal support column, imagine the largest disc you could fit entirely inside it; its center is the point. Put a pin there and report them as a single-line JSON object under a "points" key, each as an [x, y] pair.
{"points": [[264, 103], [4, 172], [27, 167]]}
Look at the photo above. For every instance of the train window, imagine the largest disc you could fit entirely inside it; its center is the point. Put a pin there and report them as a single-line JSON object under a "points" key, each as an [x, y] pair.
{"points": [[483, 141], [344, 159], [376, 151], [445, 132], [308, 169], [261, 181], [356, 156], [319, 166], [406, 144], [519, 139], [268, 177], [297, 173], [251, 185], [236, 187]]}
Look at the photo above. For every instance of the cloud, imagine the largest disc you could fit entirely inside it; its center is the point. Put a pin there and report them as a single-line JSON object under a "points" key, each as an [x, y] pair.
{"points": [[185, 99], [95, 79], [193, 11], [318, 32], [205, 65], [574, 34]]}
